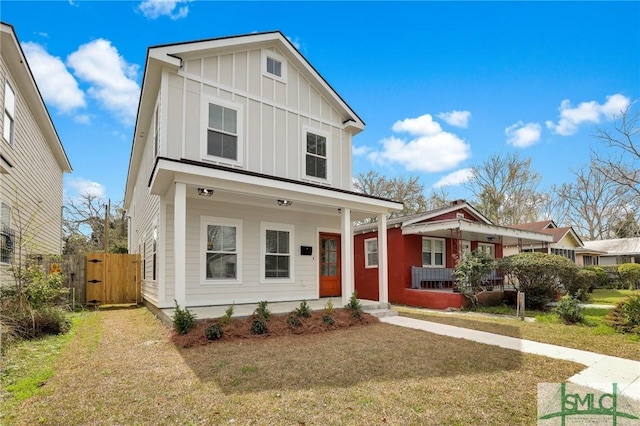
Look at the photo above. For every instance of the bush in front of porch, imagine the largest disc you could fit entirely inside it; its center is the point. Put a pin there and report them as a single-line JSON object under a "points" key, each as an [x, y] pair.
{"points": [[470, 274]]}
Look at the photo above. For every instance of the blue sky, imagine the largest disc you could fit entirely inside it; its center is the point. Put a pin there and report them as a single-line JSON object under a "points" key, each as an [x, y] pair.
{"points": [[441, 86]]}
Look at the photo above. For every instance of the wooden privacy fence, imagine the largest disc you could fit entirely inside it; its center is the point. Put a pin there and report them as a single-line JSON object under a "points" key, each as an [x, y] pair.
{"points": [[113, 279], [73, 271]]}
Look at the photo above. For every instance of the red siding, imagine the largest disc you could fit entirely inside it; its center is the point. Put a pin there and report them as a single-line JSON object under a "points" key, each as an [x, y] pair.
{"points": [[366, 279]]}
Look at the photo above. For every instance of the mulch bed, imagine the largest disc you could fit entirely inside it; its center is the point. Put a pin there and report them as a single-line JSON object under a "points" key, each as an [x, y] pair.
{"points": [[240, 328]]}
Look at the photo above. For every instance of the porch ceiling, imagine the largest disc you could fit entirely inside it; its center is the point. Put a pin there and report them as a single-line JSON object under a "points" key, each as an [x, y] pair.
{"points": [[474, 231], [258, 191]]}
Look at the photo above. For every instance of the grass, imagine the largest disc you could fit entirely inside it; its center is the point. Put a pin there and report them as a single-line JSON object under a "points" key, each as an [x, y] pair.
{"points": [[593, 335], [603, 296], [119, 367]]}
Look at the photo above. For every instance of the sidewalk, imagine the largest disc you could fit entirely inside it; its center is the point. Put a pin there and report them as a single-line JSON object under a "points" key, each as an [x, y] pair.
{"points": [[601, 371]]}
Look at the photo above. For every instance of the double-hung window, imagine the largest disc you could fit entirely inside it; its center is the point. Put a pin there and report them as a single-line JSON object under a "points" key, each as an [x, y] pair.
{"points": [[371, 253], [316, 156], [433, 252], [488, 249], [9, 113], [277, 249], [222, 244], [7, 236], [222, 132]]}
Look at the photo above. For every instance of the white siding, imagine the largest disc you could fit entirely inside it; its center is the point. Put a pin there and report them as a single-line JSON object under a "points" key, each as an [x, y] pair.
{"points": [[250, 290], [273, 115], [33, 187]]}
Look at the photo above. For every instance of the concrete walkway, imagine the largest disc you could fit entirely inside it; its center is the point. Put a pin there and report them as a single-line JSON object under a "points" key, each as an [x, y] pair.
{"points": [[601, 371]]}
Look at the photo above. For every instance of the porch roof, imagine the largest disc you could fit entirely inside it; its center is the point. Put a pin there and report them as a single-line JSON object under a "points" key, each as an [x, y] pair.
{"points": [[250, 188], [476, 231]]}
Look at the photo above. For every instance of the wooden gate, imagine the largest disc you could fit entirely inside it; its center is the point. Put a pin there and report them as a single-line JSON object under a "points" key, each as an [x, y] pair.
{"points": [[113, 278]]}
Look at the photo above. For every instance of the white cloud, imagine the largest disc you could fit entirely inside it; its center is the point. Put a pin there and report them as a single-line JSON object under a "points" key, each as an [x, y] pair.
{"points": [[295, 41], [82, 186], [523, 135], [420, 126], [56, 84], [587, 112], [456, 118], [430, 150], [360, 150], [174, 9], [112, 79], [456, 178]]}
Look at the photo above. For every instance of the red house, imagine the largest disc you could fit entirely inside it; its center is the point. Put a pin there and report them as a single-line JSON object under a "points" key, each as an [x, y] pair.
{"points": [[423, 250]]}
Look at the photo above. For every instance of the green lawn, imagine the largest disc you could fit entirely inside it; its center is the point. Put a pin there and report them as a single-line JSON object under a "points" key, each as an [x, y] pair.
{"points": [[119, 367], [603, 296]]}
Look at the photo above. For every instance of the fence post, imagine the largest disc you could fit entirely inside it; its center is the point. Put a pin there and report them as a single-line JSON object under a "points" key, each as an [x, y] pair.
{"points": [[520, 306]]}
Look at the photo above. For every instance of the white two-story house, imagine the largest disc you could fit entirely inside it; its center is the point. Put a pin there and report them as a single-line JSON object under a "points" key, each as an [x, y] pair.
{"points": [[239, 186], [32, 164]]}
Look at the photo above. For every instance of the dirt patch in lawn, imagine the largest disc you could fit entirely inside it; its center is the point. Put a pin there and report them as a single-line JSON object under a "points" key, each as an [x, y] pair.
{"points": [[277, 325]]}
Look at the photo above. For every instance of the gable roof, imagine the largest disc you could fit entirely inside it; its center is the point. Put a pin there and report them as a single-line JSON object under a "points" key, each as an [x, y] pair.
{"points": [[550, 227], [618, 246], [22, 76], [172, 55], [535, 226]]}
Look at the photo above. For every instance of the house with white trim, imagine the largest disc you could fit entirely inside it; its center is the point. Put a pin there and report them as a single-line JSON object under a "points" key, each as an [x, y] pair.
{"points": [[32, 163], [239, 185]]}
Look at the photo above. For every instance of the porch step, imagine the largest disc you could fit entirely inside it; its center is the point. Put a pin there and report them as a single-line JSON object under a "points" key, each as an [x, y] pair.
{"points": [[382, 313]]}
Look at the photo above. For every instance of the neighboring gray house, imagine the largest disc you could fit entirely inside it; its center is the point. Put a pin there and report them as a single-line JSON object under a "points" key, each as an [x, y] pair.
{"points": [[240, 179], [32, 162], [616, 251]]}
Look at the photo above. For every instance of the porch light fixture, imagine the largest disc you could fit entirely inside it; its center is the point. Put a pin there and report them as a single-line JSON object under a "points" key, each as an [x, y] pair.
{"points": [[491, 238], [205, 192], [285, 203]]}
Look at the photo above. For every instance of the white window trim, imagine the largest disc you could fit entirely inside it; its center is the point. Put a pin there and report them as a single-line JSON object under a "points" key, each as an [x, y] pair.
{"points": [[492, 250], [465, 243], [219, 221], [204, 114], [12, 114], [270, 226], [444, 253], [367, 265], [303, 151], [266, 53]]}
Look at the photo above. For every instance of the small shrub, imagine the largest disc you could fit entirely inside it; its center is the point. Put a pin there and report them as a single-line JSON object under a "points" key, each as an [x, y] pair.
{"points": [[630, 275], [293, 321], [625, 316], [214, 332], [304, 310], [183, 319], [603, 280], [582, 285], [262, 311], [569, 310], [328, 308], [258, 326], [328, 319], [226, 318], [354, 306]]}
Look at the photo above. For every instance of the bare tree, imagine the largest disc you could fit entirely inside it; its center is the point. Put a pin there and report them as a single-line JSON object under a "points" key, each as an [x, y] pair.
{"points": [[84, 225], [506, 189], [439, 198], [405, 190], [621, 163], [594, 205]]}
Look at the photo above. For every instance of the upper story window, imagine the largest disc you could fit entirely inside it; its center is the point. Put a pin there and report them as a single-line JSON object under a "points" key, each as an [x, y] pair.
{"points": [[433, 252], [371, 253], [222, 134], [273, 65], [9, 113], [316, 156]]}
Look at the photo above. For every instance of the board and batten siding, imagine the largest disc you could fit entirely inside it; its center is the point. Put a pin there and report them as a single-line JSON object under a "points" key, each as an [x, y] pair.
{"points": [[250, 289], [274, 115], [33, 186]]}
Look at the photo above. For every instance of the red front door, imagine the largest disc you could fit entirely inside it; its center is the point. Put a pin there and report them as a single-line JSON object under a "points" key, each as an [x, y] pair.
{"points": [[330, 283]]}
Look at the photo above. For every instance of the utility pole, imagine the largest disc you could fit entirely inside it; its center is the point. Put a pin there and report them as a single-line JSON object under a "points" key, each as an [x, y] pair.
{"points": [[106, 227]]}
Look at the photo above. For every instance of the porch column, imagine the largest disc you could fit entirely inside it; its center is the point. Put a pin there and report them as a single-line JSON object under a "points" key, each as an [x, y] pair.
{"points": [[179, 241], [383, 268], [346, 233]]}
